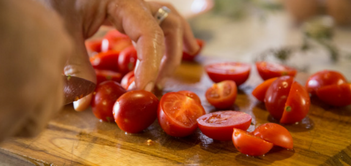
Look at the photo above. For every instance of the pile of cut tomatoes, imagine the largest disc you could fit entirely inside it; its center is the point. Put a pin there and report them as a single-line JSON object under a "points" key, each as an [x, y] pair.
{"points": [[181, 113]]}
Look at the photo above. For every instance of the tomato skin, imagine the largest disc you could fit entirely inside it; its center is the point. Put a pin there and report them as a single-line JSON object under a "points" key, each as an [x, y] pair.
{"points": [[177, 114], [335, 95], [297, 105], [127, 79], [269, 70], [135, 110], [104, 75], [105, 96], [276, 134], [222, 95], [260, 91], [127, 59], [93, 45], [249, 144], [105, 60], [324, 78], [187, 57], [114, 40], [235, 71], [191, 95], [277, 94], [219, 125]]}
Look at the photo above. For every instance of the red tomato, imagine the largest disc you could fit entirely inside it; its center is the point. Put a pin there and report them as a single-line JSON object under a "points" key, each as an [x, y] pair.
{"points": [[104, 75], [188, 57], [177, 114], [114, 40], [93, 45], [235, 71], [297, 105], [105, 60], [336, 95], [269, 70], [222, 95], [127, 59], [135, 110], [127, 79], [219, 125], [105, 96], [324, 78], [260, 91], [249, 144], [276, 134], [191, 95], [277, 95]]}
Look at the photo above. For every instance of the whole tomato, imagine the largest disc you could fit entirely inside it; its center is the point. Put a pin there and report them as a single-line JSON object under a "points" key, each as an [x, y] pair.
{"points": [[127, 59], [135, 110], [105, 96], [105, 60], [114, 40], [104, 75], [324, 78]]}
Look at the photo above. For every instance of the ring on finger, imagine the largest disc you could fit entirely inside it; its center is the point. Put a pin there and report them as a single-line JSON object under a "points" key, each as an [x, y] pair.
{"points": [[162, 14]]}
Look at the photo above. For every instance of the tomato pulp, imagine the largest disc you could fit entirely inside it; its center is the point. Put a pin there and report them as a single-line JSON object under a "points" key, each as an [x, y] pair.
{"points": [[222, 95]]}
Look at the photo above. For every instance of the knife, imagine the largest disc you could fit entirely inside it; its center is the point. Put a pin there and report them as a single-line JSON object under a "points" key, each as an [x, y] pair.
{"points": [[76, 88]]}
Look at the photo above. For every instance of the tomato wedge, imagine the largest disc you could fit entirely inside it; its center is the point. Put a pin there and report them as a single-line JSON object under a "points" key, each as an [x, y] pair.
{"points": [[177, 114], [260, 91], [276, 134], [190, 57], [235, 71], [336, 95], [191, 95], [324, 78], [105, 60], [104, 75], [222, 95], [249, 144], [269, 70], [219, 125]]}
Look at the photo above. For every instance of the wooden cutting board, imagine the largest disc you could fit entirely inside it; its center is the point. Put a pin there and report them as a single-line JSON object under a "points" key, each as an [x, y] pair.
{"points": [[78, 138]]}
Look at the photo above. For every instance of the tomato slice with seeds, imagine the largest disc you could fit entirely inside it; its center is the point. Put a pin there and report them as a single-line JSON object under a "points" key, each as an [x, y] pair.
{"points": [[222, 95], [276, 134], [269, 70], [177, 114], [260, 91], [336, 95], [249, 144], [191, 95], [235, 71], [324, 78], [219, 125]]}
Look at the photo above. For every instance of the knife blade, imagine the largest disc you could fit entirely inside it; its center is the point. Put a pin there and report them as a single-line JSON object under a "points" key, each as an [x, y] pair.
{"points": [[76, 88]]}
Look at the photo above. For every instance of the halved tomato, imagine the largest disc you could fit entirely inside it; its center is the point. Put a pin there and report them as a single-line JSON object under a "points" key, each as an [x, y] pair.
{"points": [[127, 79], [269, 70], [104, 75], [222, 95], [260, 91], [336, 95], [191, 95], [105, 60], [127, 59], [276, 134], [219, 125], [235, 71], [324, 78], [249, 144], [177, 114], [187, 57]]}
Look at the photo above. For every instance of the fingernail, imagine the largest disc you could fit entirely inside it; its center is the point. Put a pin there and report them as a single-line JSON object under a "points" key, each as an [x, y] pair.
{"points": [[149, 87], [83, 103]]}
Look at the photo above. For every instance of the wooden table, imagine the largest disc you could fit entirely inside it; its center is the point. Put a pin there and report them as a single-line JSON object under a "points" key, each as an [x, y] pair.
{"points": [[78, 138]]}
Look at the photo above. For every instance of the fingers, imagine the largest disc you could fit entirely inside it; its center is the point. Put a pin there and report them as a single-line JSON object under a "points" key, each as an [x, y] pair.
{"points": [[134, 19]]}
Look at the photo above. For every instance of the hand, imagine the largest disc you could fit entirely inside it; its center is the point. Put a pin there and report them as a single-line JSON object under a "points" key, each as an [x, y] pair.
{"points": [[34, 48], [136, 19]]}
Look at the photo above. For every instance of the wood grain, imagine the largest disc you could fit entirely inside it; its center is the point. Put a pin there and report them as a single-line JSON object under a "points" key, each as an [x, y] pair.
{"points": [[78, 138]]}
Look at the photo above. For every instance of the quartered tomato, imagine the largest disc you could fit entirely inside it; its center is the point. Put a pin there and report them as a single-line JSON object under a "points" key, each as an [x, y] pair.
{"points": [[177, 114], [324, 78], [249, 144], [104, 75], [191, 95], [336, 94], [188, 57], [260, 91], [114, 40], [276, 134], [105, 60], [222, 95], [235, 71], [127, 59], [127, 79], [219, 125], [105, 96], [269, 70], [287, 100], [135, 110]]}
